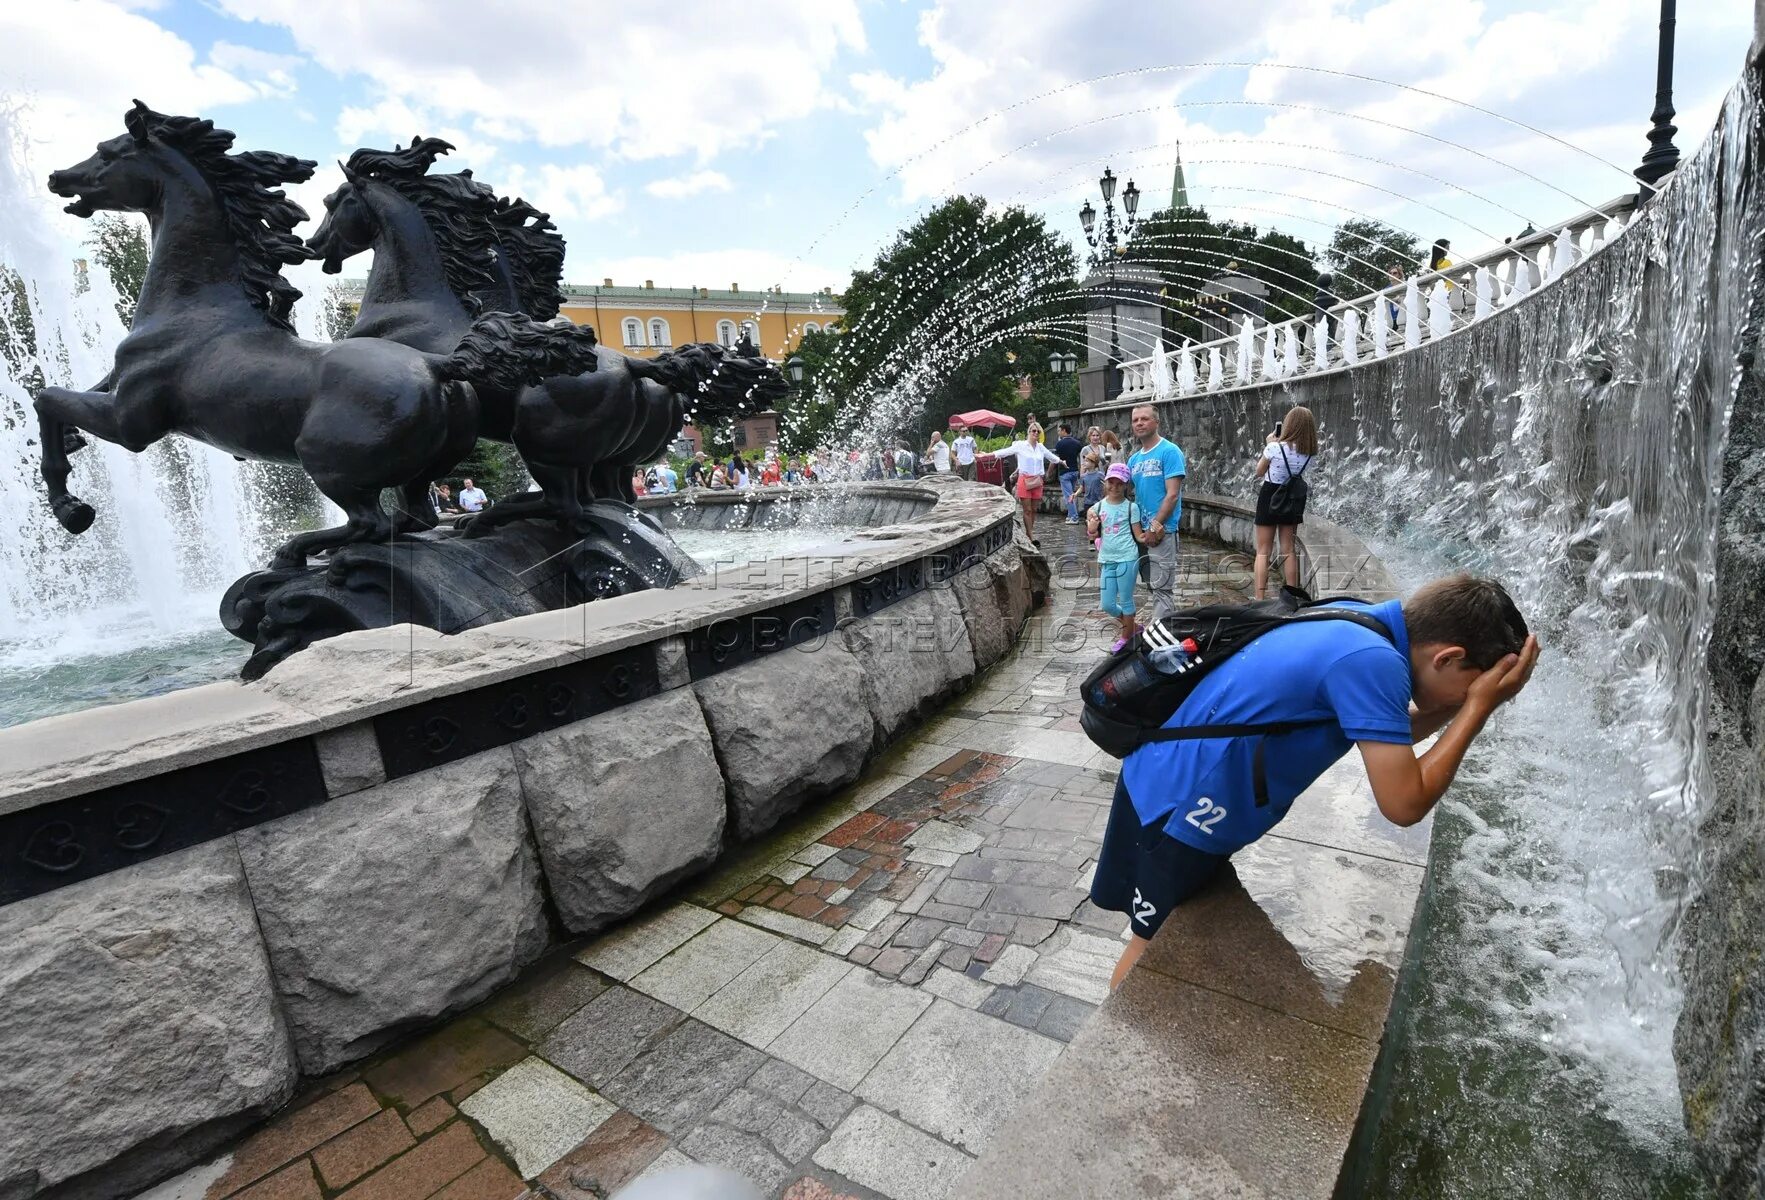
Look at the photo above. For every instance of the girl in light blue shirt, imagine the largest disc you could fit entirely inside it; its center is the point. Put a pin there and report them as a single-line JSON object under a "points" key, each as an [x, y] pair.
{"points": [[1118, 525]]}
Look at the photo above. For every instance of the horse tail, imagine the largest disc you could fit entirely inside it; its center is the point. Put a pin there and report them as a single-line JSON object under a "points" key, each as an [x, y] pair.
{"points": [[718, 386], [507, 352]]}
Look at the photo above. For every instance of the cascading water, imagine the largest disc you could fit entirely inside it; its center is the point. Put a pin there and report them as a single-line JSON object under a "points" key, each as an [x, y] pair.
{"points": [[1573, 448], [129, 607]]}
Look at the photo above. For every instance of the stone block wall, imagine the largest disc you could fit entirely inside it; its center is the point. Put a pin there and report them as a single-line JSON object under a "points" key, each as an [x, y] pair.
{"points": [[394, 823]]}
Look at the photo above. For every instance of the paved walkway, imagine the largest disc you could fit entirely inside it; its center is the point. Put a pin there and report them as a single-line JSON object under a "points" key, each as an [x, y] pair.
{"points": [[849, 1008]]}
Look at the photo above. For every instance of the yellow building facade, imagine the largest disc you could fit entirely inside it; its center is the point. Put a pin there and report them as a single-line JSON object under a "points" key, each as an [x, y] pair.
{"points": [[647, 320]]}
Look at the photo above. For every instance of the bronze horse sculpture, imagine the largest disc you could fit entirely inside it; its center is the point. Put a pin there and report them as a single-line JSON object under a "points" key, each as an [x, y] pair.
{"points": [[444, 247], [212, 354]]}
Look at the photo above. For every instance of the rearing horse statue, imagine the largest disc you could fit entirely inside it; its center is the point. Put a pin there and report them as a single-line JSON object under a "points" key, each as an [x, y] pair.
{"points": [[211, 352], [444, 246]]}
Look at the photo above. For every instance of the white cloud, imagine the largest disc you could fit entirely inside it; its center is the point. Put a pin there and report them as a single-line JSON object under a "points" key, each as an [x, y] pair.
{"points": [[699, 77], [275, 72], [688, 185], [1028, 105], [573, 193], [77, 65]]}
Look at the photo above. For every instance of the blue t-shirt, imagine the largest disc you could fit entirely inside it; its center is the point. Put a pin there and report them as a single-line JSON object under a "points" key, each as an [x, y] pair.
{"points": [[1203, 790], [1151, 468], [1116, 524]]}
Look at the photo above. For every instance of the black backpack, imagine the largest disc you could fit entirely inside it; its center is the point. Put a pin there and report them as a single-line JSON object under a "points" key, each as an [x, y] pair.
{"points": [[1127, 699]]}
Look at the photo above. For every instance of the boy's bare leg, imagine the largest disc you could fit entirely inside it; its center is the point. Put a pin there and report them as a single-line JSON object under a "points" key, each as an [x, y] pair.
{"points": [[1130, 956]]}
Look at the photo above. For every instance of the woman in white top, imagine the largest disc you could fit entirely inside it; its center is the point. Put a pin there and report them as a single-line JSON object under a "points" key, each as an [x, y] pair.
{"points": [[939, 453], [1033, 461], [1280, 505]]}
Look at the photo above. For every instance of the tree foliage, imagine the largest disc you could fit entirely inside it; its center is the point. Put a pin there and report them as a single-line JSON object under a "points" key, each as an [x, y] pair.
{"points": [[119, 245], [493, 466], [1363, 250], [1190, 248], [963, 304]]}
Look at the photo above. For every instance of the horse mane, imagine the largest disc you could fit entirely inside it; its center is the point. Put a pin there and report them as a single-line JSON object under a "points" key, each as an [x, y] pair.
{"points": [[534, 254], [260, 217], [474, 227]]}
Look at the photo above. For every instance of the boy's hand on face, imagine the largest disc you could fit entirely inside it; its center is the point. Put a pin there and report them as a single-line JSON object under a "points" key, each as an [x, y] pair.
{"points": [[1504, 680]]}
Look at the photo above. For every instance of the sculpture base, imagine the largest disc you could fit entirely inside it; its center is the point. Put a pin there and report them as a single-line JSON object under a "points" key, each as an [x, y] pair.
{"points": [[450, 581]]}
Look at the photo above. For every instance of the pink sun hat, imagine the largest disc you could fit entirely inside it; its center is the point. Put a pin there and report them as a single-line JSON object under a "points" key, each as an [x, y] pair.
{"points": [[1119, 471]]}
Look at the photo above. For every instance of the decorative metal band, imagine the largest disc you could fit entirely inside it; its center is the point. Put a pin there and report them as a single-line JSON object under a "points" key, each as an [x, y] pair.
{"points": [[737, 640], [879, 591], [469, 722], [52, 845]]}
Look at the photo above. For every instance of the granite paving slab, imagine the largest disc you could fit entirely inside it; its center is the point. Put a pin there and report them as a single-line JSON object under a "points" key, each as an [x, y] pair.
{"points": [[536, 1113], [876, 1150], [843, 1034], [957, 1073], [689, 975], [760, 1003], [607, 1034], [632, 947], [683, 1077]]}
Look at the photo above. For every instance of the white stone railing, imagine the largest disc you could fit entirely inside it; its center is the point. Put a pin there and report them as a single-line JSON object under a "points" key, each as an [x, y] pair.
{"points": [[1425, 307]]}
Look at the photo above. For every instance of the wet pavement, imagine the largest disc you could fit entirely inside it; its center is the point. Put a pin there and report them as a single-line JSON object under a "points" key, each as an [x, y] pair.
{"points": [[849, 1007]]}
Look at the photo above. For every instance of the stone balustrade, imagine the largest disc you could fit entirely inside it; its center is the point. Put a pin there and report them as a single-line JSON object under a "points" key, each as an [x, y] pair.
{"points": [[1425, 307], [209, 895]]}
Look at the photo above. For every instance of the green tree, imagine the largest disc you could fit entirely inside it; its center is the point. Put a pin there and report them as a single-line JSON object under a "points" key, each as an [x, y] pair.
{"points": [[119, 245], [961, 305], [1190, 248], [495, 467], [337, 312], [18, 332], [1363, 250]]}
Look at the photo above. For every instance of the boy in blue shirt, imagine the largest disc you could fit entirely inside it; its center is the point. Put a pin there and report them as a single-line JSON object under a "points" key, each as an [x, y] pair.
{"points": [[1459, 648], [1159, 469]]}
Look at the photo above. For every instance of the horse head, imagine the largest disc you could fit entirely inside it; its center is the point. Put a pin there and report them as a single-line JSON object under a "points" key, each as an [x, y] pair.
{"points": [[127, 173], [350, 225]]}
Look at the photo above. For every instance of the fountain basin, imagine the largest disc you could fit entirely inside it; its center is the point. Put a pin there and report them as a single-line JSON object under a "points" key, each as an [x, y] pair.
{"points": [[280, 877]]}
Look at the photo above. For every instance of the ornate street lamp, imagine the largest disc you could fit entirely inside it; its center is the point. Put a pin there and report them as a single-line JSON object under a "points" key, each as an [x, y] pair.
{"points": [[794, 368], [1663, 156], [1106, 247]]}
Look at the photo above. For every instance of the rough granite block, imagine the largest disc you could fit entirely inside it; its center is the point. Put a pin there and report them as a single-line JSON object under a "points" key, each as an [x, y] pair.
{"points": [[606, 845], [409, 901], [98, 982]]}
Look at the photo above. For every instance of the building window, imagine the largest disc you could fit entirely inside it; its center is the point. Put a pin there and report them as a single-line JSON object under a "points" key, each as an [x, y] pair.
{"points": [[659, 333], [633, 332], [752, 330], [726, 333], [811, 327]]}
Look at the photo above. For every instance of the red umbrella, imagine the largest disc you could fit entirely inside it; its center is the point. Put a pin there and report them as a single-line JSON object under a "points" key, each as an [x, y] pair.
{"points": [[982, 417]]}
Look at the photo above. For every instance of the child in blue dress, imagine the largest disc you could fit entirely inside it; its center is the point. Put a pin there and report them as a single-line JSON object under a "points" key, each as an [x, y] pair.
{"points": [[1118, 526]]}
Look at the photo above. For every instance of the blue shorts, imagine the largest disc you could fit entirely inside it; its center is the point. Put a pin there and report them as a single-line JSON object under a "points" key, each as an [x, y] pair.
{"points": [[1144, 871], [1117, 580]]}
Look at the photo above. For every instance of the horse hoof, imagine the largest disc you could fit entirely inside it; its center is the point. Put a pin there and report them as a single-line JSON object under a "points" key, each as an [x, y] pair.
{"points": [[76, 516], [72, 442]]}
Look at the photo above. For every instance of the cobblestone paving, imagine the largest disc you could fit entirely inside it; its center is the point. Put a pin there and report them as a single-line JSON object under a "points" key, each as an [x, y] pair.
{"points": [[847, 1009]]}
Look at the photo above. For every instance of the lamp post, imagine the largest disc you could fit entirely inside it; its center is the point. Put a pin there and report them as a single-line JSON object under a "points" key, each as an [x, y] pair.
{"points": [[1663, 156], [1105, 248]]}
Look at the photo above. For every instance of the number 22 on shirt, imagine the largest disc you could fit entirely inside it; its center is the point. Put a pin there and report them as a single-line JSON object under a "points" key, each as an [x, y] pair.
{"points": [[1205, 815]]}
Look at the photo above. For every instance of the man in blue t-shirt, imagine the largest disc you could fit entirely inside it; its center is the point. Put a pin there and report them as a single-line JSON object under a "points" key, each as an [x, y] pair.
{"points": [[1158, 467], [1458, 649]]}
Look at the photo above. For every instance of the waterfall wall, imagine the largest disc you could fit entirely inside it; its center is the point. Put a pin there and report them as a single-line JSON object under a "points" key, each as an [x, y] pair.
{"points": [[1579, 445]]}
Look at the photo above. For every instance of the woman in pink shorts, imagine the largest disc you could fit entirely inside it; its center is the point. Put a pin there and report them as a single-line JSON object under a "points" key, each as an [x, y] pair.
{"points": [[1033, 461]]}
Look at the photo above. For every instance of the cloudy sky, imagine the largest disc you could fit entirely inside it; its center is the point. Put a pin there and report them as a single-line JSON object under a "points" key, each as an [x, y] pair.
{"points": [[783, 141]]}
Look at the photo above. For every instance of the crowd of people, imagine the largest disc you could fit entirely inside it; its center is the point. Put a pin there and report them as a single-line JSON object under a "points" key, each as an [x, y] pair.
{"points": [[1255, 730]]}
